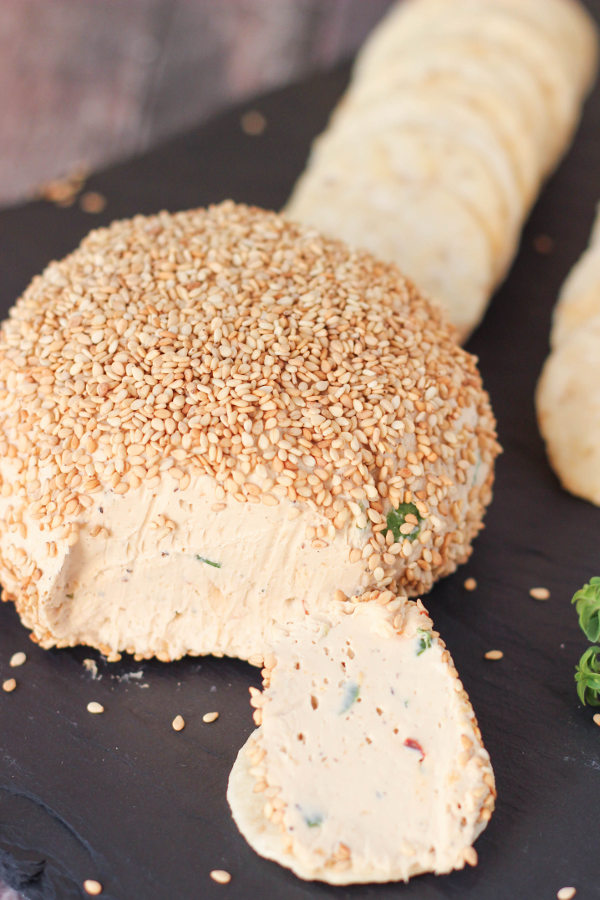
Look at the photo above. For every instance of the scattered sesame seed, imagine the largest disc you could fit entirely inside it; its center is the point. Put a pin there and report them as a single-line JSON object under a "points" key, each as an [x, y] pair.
{"points": [[543, 244], [253, 123], [539, 593], [493, 654], [566, 893], [92, 202], [220, 876], [63, 191], [470, 584], [95, 708], [210, 717], [596, 718], [178, 723], [17, 659], [92, 887], [9, 685]]}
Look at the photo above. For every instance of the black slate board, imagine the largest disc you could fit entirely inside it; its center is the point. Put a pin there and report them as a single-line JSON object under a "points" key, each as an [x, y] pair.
{"points": [[124, 799]]}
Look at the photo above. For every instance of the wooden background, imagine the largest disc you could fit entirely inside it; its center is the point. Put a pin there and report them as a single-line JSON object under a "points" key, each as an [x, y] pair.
{"points": [[93, 81]]}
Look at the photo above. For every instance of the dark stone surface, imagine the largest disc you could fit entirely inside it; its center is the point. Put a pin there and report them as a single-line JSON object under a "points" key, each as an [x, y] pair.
{"points": [[124, 799]]}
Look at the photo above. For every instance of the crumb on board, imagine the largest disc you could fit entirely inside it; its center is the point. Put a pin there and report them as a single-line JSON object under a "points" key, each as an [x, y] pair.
{"points": [[253, 123], [9, 685], [220, 876], [493, 654], [596, 719], [178, 723], [543, 244], [539, 593], [17, 659], [91, 666], [210, 717], [469, 584], [566, 893], [95, 708], [92, 887]]}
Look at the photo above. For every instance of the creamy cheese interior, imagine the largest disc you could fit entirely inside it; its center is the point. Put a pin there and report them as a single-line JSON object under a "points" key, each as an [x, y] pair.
{"points": [[166, 571], [186, 571], [373, 745]]}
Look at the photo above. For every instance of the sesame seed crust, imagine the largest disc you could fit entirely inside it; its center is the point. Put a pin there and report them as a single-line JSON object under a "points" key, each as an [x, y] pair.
{"points": [[231, 343]]}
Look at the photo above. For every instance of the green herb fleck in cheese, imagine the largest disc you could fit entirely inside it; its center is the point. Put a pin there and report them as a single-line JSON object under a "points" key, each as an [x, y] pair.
{"points": [[351, 692], [396, 518], [208, 562], [424, 641]]}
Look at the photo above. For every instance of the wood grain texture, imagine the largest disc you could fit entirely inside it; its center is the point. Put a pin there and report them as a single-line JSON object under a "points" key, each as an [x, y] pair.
{"points": [[94, 82]]}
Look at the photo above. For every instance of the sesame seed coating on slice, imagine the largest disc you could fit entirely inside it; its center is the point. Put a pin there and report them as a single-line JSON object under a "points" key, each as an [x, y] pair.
{"points": [[231, 343]]}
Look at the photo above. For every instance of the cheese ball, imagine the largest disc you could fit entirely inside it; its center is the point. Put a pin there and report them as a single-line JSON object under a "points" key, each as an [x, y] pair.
{"points": [[210, 418]]}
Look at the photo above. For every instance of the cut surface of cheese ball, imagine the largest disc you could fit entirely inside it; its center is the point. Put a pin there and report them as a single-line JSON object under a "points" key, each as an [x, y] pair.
{"points": [[204, 415], [368, 763]]}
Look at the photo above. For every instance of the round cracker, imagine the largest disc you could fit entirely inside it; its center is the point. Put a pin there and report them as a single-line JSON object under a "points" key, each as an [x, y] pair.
{"points": [[568, 409], [579, 298], [566, 23], [424, 228], [442, 113], [486, 75], [489, 25], [418, 153]]}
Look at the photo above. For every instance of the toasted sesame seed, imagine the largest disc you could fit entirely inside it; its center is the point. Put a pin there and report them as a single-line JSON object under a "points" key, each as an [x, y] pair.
{"points": [[92, 202], [470, 856], [543, 244], [9, 685], [220, 876], [17, 659], [210, 717], [566, 893], [539, 593], [253, 122], [493, 654], [470, 584], [178, 723], [92, 887], [95, 708]]}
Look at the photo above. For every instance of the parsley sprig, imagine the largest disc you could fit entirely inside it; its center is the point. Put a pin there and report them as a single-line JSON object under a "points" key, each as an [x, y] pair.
{"points": [[587, 676], [587, 604], [587, 671]]}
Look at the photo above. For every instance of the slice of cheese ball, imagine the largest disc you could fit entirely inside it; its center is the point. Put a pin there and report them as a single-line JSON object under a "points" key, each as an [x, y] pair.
{"points": [[368, 763], [209, 418]]}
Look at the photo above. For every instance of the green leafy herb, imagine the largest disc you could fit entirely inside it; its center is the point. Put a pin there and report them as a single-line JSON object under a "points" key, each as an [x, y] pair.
{"points": [[314, 821], [424, 641], [208, 562], [587, 604], [587, 676], [396, 518], [350, 696]]}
